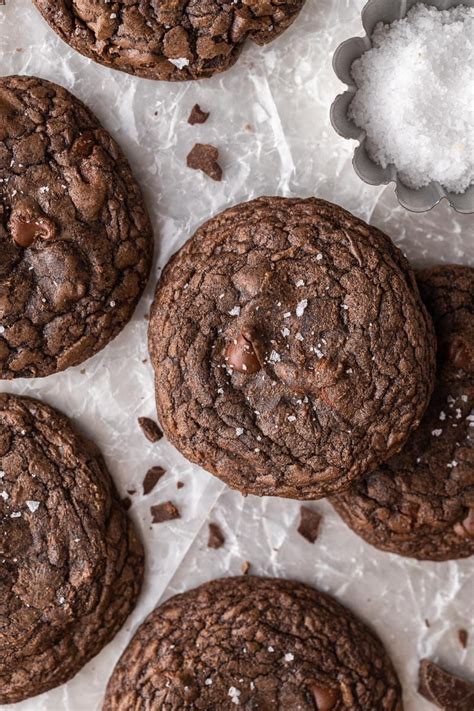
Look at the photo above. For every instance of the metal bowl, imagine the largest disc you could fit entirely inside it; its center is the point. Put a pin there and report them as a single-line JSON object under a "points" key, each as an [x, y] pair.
{"points": [[386, 11]]}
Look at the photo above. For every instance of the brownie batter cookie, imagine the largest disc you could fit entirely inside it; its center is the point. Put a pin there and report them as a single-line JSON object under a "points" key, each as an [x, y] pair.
{"points": [[71, 563], [168, 40], [75, 240], [421, 503], [291, 350], [253, 643]]}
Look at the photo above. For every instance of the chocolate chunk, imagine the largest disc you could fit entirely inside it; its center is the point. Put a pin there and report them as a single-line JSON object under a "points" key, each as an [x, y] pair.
{"points": [[164, 512], [240, 355], [150, 429], [152, 477], [463, 636], [445, 690], [204, 157], [309, 524], [216, 538], [325, 697], [197, 115], [179, 484]]}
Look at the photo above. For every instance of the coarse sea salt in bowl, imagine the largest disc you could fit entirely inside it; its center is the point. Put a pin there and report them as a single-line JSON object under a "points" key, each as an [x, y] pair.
{"points": [[410, 100]]}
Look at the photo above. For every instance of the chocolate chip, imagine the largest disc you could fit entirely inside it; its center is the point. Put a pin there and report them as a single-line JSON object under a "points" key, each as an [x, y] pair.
{"points": [[150, 429], [325, 697], [216, 538], [240, 355], [126, 503], [28, 223], [152, 477], [164, 512], [179, 484], [463, 637], [461, 353], [204, 157], [309, 524], [443, 689], [197, 115]]}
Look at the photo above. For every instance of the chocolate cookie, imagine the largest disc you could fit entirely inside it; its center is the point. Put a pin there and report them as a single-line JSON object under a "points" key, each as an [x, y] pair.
{"points": [[75, 240], [71, 564], [168, 40], [421, 503], [253, 643], [291, 349]]}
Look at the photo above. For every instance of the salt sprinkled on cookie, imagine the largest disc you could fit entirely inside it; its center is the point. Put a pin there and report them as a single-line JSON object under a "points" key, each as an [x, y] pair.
{"points": [[415, 97]]}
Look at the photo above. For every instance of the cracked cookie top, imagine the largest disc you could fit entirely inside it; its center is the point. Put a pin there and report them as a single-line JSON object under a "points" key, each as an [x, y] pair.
{"points": [[75, 240], [71, 563], [253, 643], [421, 502], [173, 40], [292, 352]]}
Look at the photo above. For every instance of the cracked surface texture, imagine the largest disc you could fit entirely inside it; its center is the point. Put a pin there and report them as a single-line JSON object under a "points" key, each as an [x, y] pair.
{"points": [[421, 502], [292, 352], [253, 643], [75, 238], [174, 40], [71, 563]]}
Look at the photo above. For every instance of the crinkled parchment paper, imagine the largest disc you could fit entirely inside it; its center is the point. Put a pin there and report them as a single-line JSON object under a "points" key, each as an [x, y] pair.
{"points": [[269, 118]]}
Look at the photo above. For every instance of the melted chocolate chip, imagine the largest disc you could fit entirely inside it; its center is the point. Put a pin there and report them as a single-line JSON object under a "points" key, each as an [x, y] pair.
{"points": [[241, 355], [28, 223], [325, 698]]}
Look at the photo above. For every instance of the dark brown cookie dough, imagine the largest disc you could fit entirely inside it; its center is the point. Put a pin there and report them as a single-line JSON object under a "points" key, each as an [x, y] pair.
{"points": [[167, 39], [421, 502], [253, 643], [71, 564], [291, 350], [75, 239]]}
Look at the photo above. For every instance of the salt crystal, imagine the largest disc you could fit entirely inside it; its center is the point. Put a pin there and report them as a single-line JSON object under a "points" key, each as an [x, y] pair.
{"points": [[234, 695], [32, 505], [437, 433], [300, 307], [289, 657], [180, 63], [415, 96], [239, 431], [235, 311]]}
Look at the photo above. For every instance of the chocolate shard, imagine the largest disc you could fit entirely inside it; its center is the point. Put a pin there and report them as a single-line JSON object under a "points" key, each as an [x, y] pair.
{"points": [[150, 429], [166, 511], [204, 157], [309, 523], [216, 538], [197, 115], [445, 690], [151, 479]]}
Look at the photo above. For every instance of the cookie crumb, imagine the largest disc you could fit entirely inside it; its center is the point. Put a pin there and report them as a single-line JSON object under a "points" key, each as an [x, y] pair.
{"points": [[309, 524], [443, 688], [197, 115], [463, 636], [164, 512], [216, 538], [150, 429], [245, 567], [151, 479], [204, 157]]}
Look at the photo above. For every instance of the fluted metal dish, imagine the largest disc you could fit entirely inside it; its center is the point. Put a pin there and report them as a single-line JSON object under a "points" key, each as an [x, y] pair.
{"points": [[386, 11]]}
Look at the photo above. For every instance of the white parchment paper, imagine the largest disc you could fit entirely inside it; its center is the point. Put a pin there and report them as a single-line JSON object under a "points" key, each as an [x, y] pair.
{"points": [[270, 120]]}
